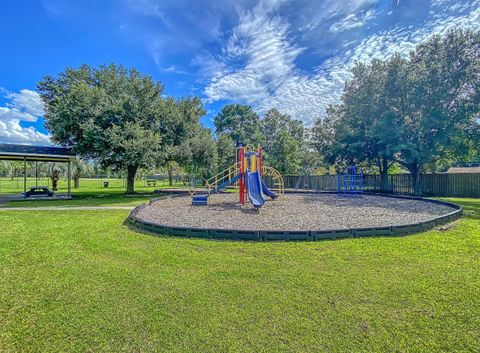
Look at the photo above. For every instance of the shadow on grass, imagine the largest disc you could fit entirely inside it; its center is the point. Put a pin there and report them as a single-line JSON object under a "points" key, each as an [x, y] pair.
{"points": [[118, 198], [470, 206]]}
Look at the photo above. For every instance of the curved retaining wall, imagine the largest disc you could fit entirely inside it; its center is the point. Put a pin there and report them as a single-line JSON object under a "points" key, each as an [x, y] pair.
{"points": [[308, 235]]}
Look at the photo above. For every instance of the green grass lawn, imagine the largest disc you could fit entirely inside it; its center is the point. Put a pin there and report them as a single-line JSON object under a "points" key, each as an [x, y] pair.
{"points": [[90, 193], [80, 281]]}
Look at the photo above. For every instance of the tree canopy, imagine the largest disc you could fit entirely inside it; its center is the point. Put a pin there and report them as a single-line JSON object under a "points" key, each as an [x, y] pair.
{"points": [[283, 144], [419, 112], [282, 137], [118, 116], [413, 111], [240, 123]]}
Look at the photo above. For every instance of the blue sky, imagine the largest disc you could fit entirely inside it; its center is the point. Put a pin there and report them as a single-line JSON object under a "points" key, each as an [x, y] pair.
{"points": [[292, 55]]}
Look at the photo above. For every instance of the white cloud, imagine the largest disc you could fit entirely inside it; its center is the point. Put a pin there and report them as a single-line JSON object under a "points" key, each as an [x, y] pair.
{"points": [[27, 101], [172, 69], [316, 14], [172, 27], [25, 106], [352, 21], [261, 40], [258, 64]]}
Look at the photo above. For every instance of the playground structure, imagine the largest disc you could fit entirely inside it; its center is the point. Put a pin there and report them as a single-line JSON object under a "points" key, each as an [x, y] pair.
{"points": [[246, 177], [304, 216], [350, 182]]}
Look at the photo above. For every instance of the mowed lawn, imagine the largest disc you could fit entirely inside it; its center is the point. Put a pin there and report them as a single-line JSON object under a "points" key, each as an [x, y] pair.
{"points": [[90, 193], [81, 281]]}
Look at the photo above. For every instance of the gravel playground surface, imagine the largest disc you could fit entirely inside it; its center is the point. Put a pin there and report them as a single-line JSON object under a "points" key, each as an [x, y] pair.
{"points": [[293, 212]]}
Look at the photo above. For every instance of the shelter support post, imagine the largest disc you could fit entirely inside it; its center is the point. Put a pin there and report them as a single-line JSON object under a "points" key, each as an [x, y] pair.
{"points": [[69, 178], [24, 177]]}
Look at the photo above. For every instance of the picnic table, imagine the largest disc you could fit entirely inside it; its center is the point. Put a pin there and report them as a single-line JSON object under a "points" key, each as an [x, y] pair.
{"points": [[39, 190], [151, 182]]}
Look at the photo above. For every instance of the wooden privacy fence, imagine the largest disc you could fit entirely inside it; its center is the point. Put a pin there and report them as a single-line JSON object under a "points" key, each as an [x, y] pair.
{"points": [[448, 185]]}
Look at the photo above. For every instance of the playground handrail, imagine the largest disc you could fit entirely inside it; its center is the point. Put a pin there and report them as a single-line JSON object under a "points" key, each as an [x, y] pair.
{"points": [[224, 175], [279, 185]]}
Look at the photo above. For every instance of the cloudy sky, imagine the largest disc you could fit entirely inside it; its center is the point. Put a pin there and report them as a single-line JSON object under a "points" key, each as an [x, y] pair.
{"points": [[293, 55]]}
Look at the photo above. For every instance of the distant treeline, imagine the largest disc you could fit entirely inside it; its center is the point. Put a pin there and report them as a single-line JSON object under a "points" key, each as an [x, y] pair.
{"points": [[417, 113]]}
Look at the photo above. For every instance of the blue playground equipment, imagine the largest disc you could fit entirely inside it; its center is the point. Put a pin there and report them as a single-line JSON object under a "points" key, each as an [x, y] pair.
{"points": [[197, 200], [350, 182], [256, 188], [200, 200]]}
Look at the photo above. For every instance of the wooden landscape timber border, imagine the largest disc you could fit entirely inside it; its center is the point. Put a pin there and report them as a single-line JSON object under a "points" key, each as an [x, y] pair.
{"points": [[307, 235]]}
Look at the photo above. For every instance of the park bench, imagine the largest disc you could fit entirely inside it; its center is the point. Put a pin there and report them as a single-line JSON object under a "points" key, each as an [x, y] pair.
{"points": [[39, 190], [151, 182]]}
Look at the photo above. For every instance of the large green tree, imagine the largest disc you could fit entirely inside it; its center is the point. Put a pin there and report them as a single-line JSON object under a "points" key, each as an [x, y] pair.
{"points": [[204, 155], [415, 111], [117, 116], [283, 141], [364, 104], [225, 151], [439, 102], [283, 138], [240, 123]]}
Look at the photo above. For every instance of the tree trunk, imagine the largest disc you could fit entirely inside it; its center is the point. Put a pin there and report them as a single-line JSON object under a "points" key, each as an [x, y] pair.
{"points": [[76, 181], [384, 176], [131, 171], [55, 178], [170, 177], [414, 169]]}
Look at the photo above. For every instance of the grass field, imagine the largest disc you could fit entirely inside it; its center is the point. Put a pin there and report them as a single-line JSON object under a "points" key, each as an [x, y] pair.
{"points": [[81, 281], [90, 193]]}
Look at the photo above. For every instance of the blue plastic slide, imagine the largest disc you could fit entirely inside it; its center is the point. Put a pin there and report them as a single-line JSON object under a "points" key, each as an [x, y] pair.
{"points": [[267, 191], [227, 182], [254, 188]]}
